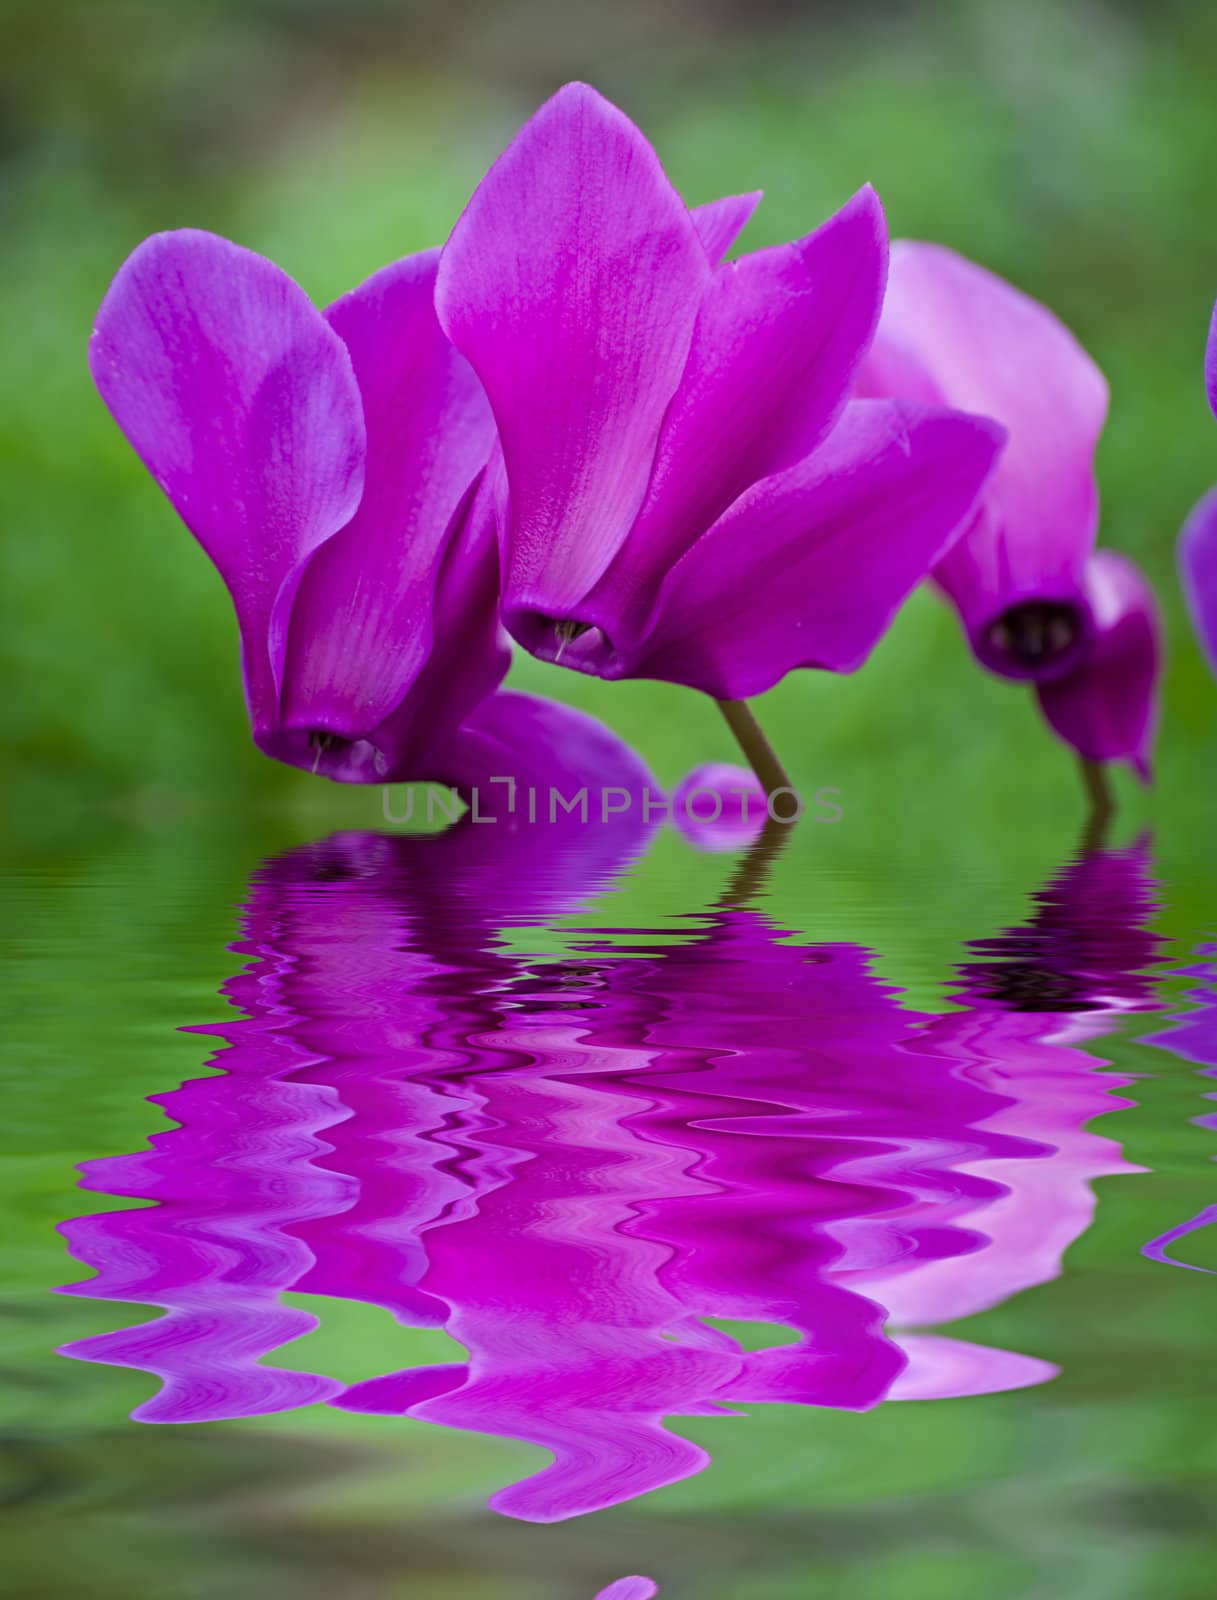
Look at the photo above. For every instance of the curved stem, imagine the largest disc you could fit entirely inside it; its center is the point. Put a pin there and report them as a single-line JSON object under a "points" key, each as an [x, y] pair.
{"points": [[1098, 791], [758, 752]]}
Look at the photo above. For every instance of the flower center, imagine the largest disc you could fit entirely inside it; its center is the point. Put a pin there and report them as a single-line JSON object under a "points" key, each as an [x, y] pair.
{"points": [[566, 631], [321, 743], [1036, 634]]}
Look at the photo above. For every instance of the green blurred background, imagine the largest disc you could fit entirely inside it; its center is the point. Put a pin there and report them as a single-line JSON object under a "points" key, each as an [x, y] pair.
{"points": [[1071, 148]]}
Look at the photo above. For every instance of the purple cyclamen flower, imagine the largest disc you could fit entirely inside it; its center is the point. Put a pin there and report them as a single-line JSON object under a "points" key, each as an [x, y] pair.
{"points": [[1106, 705], [1198, 541], [1035, 600], [1198, 569], [953, 333], [329, 465], [684, 491]]}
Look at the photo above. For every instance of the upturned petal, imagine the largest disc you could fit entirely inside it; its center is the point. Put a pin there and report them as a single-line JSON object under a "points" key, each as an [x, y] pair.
{"points": [[719, 806], [517, 855], [810, 567], [941, 1368], [242, 403], [470, 654], [776, 349], [1107, 708], [1210, 360], [1198, 570], [362, 625], [571, 283], [719, 223], [541, 744], [635, 1588], [954, 332], [455, 609]]}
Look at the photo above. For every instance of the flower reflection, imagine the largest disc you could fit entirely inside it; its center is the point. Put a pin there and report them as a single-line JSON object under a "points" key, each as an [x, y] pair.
{"points": [[1039, 991], [1193, 1037], [1085, 950], [588, 1169]]}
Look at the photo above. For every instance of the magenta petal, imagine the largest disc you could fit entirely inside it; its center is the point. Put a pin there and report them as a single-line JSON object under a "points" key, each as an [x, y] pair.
{"points": [[956, 333], [719, 223], [361, 627], [810, 567], [470, 654], [778, 341], [635, 1588], [542, 744], [1210, 360], [242, 403], [1107, 709], [941, 1368], [719, 806], [1198, 570], [394, 1393], [775, 351], [571, 282]]}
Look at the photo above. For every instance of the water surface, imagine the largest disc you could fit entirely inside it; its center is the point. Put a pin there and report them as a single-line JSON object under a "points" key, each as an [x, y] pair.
{"points": [[501, 1213]]}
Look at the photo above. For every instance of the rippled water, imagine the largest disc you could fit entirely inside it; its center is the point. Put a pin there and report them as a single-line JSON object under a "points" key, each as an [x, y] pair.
{"points": [[495, 1239]]}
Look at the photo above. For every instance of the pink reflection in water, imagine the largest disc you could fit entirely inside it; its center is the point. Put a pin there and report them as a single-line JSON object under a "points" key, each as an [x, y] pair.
{"points": [[1193, 1037], [579, 1167]]}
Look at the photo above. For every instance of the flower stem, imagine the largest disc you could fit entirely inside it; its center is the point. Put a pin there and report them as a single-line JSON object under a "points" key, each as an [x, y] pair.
{"points": [[1098, 789], [758, 752]]}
